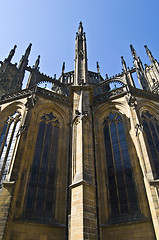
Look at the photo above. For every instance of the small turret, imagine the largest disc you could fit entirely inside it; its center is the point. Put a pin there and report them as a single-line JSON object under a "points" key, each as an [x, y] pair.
{"points": [[63, 68], [11, 54], [153, 81], [149, 54], [98, 68], [37, 62], [140, 70], [135, 57], [123, 63], [32, 79], [128, 76]]}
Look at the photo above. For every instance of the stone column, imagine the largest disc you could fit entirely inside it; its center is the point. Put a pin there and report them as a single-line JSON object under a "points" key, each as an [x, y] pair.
{"points": [[83, 194]]}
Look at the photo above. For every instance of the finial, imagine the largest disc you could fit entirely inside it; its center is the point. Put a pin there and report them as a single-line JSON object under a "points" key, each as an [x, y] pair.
{"points": [[11, 54], [123, 63], [80, 25], [80, 29], [63, 67], [37, 62], [98, 69], [149, 54], [133, 52]]}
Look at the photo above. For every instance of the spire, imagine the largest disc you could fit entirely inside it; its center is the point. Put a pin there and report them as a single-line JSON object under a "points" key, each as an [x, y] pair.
{"points": [[149, 54], [27, 52], [24, 60], [128, 76], [80, 57], [11, 54], [137, 60], [98, 68], [123, 63], [37, 62], [133, 52]]}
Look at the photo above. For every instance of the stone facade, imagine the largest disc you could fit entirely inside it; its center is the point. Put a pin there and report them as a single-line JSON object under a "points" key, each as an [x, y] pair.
{"points": [[80, 160]]}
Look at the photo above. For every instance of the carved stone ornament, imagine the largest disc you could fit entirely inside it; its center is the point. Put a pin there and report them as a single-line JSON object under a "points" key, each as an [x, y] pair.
{"points": [[81, 54], [138, 127], [78, 117], [21, 130]]}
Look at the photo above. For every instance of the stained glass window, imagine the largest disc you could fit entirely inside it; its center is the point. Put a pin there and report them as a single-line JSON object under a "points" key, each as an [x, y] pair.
{"points": [[40, 198], [120, 181], [7, 143], [151, 130]]}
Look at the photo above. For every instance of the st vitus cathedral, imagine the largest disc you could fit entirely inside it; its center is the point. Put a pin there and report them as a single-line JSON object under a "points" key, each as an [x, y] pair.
{"points": [[80, 160]]}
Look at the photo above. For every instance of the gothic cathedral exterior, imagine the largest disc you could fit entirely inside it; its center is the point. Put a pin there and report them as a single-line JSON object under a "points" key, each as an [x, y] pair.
{"points": [[80, 160]]}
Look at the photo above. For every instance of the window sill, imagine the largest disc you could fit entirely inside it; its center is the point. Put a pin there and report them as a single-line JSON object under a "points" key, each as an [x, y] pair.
{"points": [[122, 220], [48, 222], [154, 183]]}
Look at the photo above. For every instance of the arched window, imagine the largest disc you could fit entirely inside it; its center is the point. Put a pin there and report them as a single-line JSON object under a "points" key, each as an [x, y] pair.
{"points": [[151, 129], [121, 189], [7, 144], [41, 190]]}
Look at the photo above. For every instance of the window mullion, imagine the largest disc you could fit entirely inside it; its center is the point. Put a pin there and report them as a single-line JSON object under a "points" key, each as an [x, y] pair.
{"points": [[154, 143], [153, 137], [8, 147], [116, 183], [48, 169], [41, 158], [123, 169], [156, 130], [14, 138], [6, 134]]}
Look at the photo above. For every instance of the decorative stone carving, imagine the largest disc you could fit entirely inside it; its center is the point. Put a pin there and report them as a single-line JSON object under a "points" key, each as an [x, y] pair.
{"points": [[138, 127], [21, 130], [81, 54], [131, 100], [31, 101], [78, 117]]}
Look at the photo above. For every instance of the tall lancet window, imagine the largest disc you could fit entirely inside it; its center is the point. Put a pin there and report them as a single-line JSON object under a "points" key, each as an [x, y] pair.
{"points": [[41, 190], [120, 182], [151, 129], [7, 144]]}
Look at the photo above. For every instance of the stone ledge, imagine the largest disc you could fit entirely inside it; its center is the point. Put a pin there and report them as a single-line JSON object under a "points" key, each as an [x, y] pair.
{"points": [[82, 182], [129, 221], [8, 184], [34, 222], [154, 183]]}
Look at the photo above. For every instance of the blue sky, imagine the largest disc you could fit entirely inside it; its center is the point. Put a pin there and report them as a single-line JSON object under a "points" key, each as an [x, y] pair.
{"points": [[110, 26]]}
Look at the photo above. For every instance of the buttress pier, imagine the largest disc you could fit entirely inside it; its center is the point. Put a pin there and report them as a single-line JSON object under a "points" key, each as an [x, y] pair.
{"points": [[79, 160]]}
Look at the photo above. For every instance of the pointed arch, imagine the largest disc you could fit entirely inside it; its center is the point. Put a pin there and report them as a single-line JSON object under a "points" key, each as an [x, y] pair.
{"points": [[41, 187], [150, 122]]}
